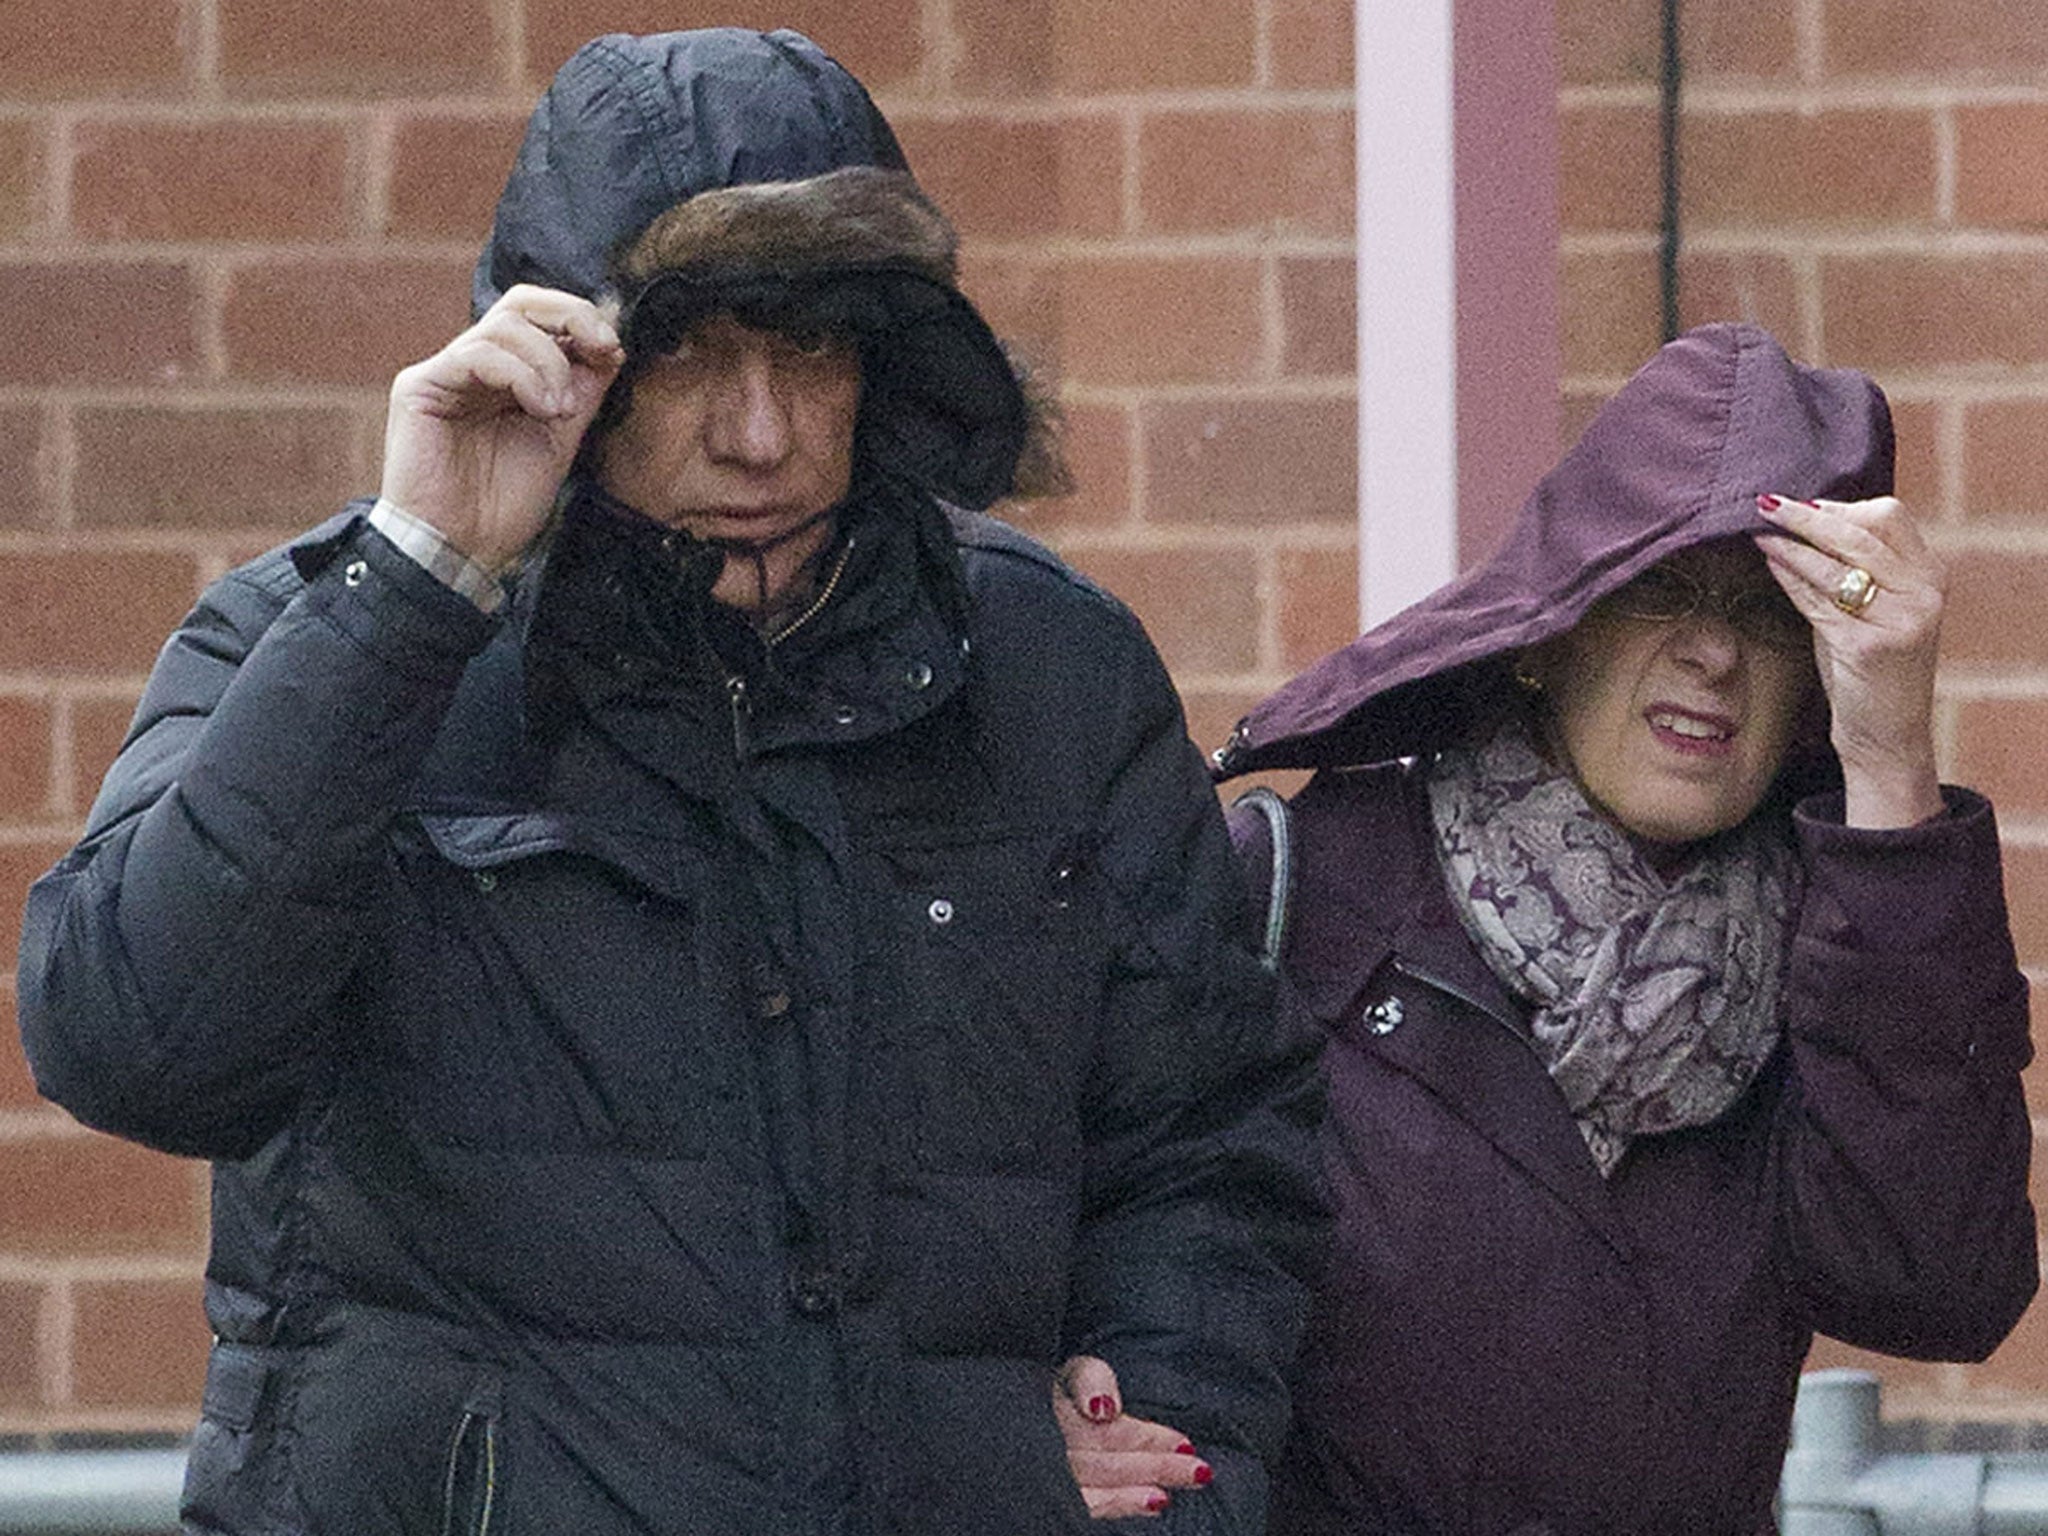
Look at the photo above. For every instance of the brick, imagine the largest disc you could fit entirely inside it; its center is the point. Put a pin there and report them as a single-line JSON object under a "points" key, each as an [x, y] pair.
{"points": [[1319, 316], [221, 181], [1578, 407], [341, 322], [21, 865], [1159, 320], [1609, 172], [1007, 179], [1994, 611], [1097, 442], [21, 1307], [1613, 316], [1994, 38], [98, 727], [1602, 42], [2026, 895], [92, 47], [1234, 462], [139, 1343], [1895, 1374], [1313, 45], [2000, 149], [278, 467], [73, 1196], [27, 463], [1318, 603], [1846, 169], [367, 47], [1020, 299], [1899, 312], [25, 750], [1231, 170], [100, 323], [1200, 606], [1741, 285], [17, 1086], [1608, 311], [2005, 460], [74, 611], [2020, 1364], [1917, 476], [22, 166], [882, 41], [446, 173], [1079, 46], [1998, 750]]}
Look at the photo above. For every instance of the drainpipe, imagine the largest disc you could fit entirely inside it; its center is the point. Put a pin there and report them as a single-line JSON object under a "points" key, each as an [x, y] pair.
{"points": [[90, 1493], [1836, 1483]]}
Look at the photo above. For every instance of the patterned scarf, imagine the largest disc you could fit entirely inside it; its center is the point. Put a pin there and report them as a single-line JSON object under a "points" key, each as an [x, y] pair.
{"points": [[1655, 999]]}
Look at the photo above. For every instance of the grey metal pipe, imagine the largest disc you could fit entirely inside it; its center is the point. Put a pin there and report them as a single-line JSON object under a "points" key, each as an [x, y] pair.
{"points": [[1837, 1483], [90, 1493]]}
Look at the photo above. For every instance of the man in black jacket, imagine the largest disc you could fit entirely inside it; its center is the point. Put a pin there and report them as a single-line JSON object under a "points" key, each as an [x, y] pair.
{"points": [[704, 969]]}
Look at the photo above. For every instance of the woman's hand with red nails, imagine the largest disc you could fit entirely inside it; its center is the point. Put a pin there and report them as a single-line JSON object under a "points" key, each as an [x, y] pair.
{"points": [[1125, 1465], [1876, 665]]}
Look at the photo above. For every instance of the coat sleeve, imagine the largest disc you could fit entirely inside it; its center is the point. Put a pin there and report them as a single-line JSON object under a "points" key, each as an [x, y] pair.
{"points": [[1204, 1216], [175, 966], [1906, 1137]]}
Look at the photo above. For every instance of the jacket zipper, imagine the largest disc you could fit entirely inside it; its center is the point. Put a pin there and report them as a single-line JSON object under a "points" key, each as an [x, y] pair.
{"points": [[742, 716], [466, 1501]]}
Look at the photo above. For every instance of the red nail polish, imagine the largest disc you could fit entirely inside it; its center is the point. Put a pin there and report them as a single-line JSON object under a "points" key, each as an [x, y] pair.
{"points": [[1204, 1475], [1768, 502], [1185, 1448], [1156, 1503], [1100, 1408]]}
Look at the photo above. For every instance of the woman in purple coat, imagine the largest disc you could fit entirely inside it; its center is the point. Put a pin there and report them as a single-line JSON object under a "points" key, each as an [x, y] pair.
{"points": [[1672, 1008]]}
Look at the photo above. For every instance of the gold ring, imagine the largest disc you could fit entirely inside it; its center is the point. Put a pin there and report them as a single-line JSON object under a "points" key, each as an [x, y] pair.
{"points": [[1853, 593]]}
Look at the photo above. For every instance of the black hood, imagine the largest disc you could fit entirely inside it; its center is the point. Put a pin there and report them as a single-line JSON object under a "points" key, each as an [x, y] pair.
{"points": [[632, 126], [697, 169]]}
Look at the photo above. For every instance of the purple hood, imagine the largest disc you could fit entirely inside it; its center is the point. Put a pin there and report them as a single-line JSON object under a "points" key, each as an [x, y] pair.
{"points": [[1677, 457]]}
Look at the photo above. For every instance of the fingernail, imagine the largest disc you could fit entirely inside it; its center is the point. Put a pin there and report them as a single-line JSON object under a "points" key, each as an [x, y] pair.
{"points": [[1156, 1503], [1100, 1408], [1768, 502], [1204, 1475], [1184, 1449]]}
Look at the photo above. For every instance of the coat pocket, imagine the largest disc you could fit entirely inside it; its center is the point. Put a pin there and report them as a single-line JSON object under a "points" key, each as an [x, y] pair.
{"points": [[1003, 960], [470, 1492]]}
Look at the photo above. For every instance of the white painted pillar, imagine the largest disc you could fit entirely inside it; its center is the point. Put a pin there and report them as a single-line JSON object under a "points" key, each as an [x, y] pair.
{"points": [[1407, 326]]}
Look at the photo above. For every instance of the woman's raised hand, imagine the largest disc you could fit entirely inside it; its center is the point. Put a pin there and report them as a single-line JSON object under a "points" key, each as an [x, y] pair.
{"points": [[479, 436], [1872, 588]]}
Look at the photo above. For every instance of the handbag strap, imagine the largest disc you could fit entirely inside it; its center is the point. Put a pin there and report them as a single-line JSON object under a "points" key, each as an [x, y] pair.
{"points": [[1272, 809]]}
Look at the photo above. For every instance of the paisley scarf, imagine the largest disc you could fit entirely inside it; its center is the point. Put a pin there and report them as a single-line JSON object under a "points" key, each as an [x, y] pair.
{"points": [[1655, 999]]}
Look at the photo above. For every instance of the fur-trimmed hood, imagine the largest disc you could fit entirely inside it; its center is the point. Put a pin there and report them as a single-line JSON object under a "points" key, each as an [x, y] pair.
{"points": [[688, 165], [1676, 458]]}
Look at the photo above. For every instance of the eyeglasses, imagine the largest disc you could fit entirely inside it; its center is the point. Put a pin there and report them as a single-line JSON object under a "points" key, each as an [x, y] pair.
{"points": [[1758, 611]]}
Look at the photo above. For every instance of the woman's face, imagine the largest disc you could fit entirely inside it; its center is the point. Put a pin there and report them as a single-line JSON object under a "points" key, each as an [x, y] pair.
{"points": [[1676, 727]]}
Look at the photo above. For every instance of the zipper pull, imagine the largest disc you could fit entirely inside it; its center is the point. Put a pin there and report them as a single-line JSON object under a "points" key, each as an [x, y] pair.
{"points": [[742, 714]]}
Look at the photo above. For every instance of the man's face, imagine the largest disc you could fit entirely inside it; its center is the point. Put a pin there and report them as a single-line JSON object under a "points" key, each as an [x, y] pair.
{"points": [[741, 437]]}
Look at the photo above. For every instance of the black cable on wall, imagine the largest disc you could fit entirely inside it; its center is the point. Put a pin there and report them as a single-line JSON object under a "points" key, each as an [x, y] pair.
{"points": [[1670, 79]]}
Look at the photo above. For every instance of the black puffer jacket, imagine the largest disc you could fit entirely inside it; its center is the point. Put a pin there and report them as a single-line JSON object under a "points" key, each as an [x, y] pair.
{"points": [[652, 1099]]}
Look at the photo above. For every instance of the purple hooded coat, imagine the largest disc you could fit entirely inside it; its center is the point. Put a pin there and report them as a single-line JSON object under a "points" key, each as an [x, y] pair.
{"points": [[1506, 1342]]}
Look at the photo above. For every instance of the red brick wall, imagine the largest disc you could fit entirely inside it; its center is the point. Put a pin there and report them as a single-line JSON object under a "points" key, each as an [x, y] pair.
{"points": [[1870, 179], [223, 223]]}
